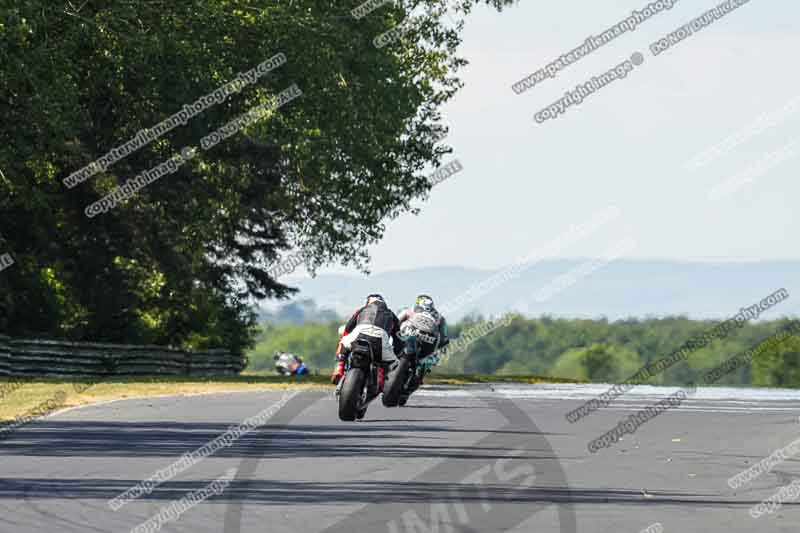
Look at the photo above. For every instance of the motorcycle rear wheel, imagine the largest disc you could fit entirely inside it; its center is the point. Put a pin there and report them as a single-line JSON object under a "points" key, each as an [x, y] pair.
{"points": [[394, 383], [351, 393]]}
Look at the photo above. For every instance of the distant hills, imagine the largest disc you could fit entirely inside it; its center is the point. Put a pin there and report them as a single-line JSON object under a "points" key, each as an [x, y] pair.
{"points": [[298, 312], [565, 288]]}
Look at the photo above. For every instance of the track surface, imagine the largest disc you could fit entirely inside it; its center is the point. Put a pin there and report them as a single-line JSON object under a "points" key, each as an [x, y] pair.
{"points": [[483, 458]]}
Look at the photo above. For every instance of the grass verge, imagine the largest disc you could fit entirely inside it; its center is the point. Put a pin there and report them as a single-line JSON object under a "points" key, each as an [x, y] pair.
{"points": [[36, 396]]}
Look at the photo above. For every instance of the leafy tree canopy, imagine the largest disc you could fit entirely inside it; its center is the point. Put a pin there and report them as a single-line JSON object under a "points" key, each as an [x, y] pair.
{"points": [[182, 262]]}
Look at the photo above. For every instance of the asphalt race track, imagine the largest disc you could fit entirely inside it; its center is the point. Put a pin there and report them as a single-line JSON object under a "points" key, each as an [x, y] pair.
{"points": [[457, 459]]}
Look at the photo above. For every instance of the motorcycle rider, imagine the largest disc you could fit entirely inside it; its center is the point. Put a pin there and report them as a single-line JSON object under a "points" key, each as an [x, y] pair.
{"points": [[427, 320], [375, 323], [287, 364]]}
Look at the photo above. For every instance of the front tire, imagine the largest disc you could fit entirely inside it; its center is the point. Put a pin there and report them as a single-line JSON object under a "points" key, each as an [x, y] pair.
{"points": [[394, 383], [351, 393]]}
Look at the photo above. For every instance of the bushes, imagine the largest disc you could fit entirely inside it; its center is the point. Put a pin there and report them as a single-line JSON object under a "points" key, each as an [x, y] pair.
{"points": [[314, 343], [591, 350]]}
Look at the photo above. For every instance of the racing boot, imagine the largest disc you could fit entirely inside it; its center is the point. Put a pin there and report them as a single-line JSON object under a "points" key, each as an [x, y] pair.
{"points": [[338, 372]]}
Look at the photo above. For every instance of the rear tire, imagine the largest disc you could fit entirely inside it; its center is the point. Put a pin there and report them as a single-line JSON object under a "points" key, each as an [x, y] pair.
{"points": [[394, 383], [351, 393]]}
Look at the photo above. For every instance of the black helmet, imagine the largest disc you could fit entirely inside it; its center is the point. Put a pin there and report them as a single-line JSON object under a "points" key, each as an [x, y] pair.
{"points": [[374, 298]]}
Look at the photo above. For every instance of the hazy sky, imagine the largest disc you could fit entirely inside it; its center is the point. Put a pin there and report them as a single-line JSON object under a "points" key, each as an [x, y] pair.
{"points": [[627, 145]]}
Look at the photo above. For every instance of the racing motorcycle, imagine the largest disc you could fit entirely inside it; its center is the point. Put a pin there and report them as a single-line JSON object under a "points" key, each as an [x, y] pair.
{"points": [[405, 377], [359, 385]]}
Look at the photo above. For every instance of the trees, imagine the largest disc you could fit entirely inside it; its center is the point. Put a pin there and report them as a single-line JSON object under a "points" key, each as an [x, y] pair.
{"points": [[586, 350], [314, 343], [779, 366], [598, 363], [182, 261]]}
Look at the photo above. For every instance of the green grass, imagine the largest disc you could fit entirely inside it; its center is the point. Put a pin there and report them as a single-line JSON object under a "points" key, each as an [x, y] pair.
{"points": [[36, 391]]}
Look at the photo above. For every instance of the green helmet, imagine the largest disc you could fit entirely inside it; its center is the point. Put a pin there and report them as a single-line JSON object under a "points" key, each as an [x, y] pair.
{"points": [[424, 302]]}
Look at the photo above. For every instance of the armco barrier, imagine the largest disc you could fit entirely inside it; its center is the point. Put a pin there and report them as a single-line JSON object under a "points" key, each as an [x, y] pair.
{"points": [[62, 359]]}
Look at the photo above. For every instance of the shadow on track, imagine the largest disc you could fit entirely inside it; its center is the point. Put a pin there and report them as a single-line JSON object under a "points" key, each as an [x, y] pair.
{"points": [[361, 492], [171, 439]]}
